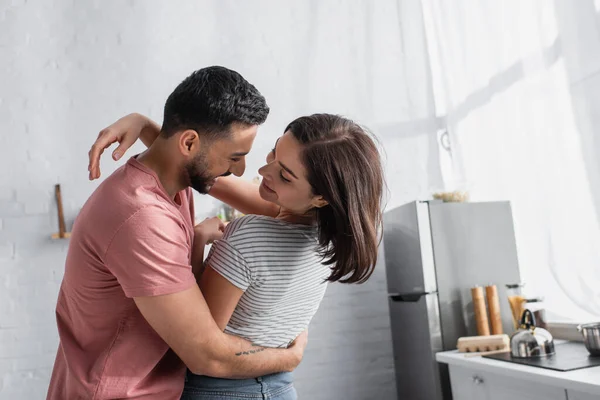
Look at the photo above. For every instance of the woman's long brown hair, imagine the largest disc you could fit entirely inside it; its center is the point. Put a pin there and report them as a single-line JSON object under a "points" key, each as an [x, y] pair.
{"points": [[344, 166]]}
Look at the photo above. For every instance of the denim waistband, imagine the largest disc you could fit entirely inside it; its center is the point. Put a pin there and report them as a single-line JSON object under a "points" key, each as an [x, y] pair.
{"points": [[280, 379], [272, 385]]}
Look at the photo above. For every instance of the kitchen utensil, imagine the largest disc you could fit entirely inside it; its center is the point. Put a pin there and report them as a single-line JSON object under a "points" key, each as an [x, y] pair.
{"points": [[591, 337], [491, 292], [529, 341], [62, 231], [514, 293], [481, 317], [479, 344]]}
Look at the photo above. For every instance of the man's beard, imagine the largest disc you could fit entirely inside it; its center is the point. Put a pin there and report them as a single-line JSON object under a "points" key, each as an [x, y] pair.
{"points": [[197, 177]]}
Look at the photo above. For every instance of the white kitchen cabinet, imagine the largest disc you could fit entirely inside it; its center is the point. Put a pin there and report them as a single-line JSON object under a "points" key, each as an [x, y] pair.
{"points": [[471, 384], [467, 384], [503, 388], [478, 378], [577, 395]]}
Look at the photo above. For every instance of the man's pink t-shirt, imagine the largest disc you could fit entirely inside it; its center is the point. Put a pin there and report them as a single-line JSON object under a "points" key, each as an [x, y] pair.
{"points": [[130, 240]]}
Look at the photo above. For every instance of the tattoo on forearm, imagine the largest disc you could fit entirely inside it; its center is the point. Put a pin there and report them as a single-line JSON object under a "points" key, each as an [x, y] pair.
{"points": [[245, 353]]}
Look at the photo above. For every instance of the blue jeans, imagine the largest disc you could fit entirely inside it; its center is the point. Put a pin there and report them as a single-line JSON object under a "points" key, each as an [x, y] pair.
{"points": [[272, 387]]}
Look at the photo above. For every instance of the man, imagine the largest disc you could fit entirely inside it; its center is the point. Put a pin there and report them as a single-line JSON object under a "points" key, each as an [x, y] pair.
{"points": [[130, 315]]}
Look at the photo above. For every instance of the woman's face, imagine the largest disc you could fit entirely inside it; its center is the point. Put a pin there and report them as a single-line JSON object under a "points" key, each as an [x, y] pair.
{"points": [[284, 178]]}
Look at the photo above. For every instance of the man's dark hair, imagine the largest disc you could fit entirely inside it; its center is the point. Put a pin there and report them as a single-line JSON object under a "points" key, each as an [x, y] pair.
{"points": [[210, 100]]}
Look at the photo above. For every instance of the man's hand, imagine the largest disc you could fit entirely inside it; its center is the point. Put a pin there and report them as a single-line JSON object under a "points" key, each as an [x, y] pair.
{"points": [[209, 230], [298, 346], [126, 131]]}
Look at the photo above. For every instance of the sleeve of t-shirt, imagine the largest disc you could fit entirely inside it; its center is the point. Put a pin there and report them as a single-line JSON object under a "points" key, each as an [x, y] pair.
{"points": [[150, 254], [227, 260]]}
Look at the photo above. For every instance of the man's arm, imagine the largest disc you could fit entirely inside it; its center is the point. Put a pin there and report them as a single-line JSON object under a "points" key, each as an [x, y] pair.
{"points": [[184, 321]]}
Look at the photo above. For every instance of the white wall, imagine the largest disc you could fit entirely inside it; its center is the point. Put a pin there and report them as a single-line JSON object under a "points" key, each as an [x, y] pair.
{"points": [[69, 68]]}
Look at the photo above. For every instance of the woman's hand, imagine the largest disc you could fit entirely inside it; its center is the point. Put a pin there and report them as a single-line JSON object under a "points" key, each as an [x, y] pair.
{"points": [[126, 131], [205, 232], [209, 230]]}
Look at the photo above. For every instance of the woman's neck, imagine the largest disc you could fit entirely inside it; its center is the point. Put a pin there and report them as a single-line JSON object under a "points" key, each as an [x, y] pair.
{"points": [[308, 218]]}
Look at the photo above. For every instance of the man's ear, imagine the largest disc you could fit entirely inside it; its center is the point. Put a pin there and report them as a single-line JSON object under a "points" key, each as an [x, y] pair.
{"points": [[319, 202], [189, 141]]}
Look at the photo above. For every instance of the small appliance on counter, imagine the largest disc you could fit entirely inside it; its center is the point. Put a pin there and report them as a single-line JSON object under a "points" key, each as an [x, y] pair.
{"points": [[531, 341], [569, 356], [534, 346]]}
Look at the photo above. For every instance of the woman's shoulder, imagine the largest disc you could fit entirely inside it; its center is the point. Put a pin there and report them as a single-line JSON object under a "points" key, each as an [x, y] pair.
{"points": [[267, 229], [249, 223]]}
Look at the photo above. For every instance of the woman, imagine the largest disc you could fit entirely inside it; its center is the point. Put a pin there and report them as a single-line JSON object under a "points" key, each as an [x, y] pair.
{"points": [[264, 280]]}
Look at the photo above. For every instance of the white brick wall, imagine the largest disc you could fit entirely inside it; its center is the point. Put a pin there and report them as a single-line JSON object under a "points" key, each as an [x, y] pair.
{"points": [[71, 67]]}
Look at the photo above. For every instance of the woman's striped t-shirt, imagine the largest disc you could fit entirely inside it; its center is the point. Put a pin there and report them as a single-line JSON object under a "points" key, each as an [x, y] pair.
{"points": [[282, 275]]}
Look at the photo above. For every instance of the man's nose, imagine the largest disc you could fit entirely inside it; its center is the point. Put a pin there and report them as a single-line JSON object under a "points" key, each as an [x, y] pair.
{"points": [[238, 168]]}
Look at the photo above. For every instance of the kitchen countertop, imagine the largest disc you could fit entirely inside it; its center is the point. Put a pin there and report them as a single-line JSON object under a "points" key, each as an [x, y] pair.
{"points": [[585, 380]]}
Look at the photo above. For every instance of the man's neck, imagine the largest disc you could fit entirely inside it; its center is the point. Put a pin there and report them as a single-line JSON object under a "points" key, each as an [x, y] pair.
{"points": [[157, 160]]}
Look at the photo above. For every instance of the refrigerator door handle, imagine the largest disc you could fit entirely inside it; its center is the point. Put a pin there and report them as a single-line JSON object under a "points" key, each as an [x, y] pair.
{"points": [[409, 297]]}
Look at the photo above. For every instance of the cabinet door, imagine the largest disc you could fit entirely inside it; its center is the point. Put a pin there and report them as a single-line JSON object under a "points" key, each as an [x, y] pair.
{"points": [[467, 384], [501, 388], [577, 395]]}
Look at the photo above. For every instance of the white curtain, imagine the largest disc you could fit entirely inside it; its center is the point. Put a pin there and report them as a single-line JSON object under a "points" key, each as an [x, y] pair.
{"points": [[507, 77]]}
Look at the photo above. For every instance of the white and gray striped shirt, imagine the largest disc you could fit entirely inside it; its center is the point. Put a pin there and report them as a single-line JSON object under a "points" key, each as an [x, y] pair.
{"points": [[278, 267]]}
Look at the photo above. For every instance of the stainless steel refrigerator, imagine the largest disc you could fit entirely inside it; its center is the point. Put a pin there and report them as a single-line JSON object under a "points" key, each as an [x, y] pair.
{"points": [[434, 253]]}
